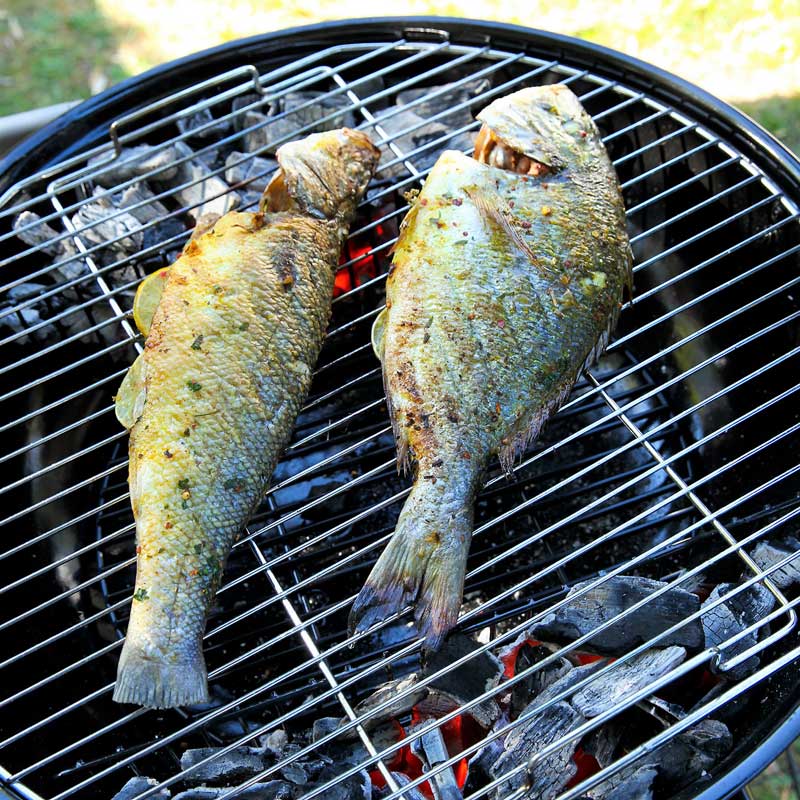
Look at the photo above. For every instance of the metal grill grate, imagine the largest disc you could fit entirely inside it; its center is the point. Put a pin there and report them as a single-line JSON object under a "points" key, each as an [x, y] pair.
{"points": [[669, 461]]}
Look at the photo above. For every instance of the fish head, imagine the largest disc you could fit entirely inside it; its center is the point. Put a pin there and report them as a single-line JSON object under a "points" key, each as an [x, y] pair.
{"points": [[537, 130], [322, 175]]}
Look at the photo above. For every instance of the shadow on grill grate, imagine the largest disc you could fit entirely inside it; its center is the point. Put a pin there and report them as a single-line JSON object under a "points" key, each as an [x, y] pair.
{"points": [[663, 492]]}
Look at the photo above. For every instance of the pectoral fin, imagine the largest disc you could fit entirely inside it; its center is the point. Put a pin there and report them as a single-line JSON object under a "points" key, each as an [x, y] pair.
{"points": [[147, 298], [131, 396], [379, 333]]}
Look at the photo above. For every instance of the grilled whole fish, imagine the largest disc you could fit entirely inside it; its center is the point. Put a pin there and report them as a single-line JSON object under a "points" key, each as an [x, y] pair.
{"points": [[212, 400], [507, 279]]}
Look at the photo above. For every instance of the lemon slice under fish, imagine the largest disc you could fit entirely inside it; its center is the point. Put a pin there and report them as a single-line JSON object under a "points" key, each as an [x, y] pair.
{"points": [[147, 298]]}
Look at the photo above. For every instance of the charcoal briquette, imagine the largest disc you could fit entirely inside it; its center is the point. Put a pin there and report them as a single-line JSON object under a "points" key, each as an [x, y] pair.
{"points": [[580, 615]]}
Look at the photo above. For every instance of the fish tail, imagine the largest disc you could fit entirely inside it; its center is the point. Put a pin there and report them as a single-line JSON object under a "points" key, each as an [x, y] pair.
{"points": [[423, 565], [154, 683]]}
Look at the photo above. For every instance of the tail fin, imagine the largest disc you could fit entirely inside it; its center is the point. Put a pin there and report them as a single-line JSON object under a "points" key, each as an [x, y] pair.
{"points": [[156, 684], [423, 565]]}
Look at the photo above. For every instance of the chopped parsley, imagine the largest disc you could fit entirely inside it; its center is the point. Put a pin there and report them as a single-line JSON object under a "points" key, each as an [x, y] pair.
{"points": [[183, 484], [244, 326], [140, 595], [197, 342], [194, 386]]}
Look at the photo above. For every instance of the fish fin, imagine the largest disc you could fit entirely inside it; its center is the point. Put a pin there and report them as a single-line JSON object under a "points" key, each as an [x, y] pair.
{"points": [[518, 443], [378, 334], [154, 684], [400, 435], [132, 394], [147, 298], [492, 211], [422, 565]]}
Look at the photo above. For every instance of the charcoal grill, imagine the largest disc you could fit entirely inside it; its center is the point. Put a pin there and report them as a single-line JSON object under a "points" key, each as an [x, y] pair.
{"points": [[673, 458]]}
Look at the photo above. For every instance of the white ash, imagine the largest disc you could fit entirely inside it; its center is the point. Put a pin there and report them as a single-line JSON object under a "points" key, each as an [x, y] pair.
{"points": [[552, 772], [139, 785], [135, 162], [206, 193], [731, 617], [42, 235], [451, 95], [100, 222], [634, 782], [193, 122], [141, 203], [294, 115], [625, 679], [430, 749], [254, 171], [271, 790], [244, 103], [232, 767], [767, 555]]}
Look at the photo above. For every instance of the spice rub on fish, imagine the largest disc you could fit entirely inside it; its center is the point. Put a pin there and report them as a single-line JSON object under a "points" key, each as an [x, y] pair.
{"points": [[233, 330], [507, 279]]}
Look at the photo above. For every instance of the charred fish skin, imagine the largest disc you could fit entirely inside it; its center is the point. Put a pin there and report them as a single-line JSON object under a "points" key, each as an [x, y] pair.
{"points": [[212, 400], [507, 279]]}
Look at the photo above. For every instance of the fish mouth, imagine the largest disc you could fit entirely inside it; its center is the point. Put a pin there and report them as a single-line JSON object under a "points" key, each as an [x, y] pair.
{"points": [[490, 149]]}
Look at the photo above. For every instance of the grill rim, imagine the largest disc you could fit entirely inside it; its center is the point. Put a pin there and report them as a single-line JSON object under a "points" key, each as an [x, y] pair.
{"points": [[87, 125]]}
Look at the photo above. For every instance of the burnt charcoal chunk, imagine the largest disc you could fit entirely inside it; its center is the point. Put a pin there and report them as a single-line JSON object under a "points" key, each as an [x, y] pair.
{"points": [[401, 779], [692, 753], [239, 105], [251, 170], [731, 617], [295, 115], [141, 203], [227, 769], [534, 684], [633, 782], [602, 743], [398, 705], [134, 162], [766, 555], [348, 748], [408, 132], [169, 232], [99, 222], [431, 750], [271, 790], [206, 193], [448, 95], [356, 787], [551, 773], [480, 766], [582, 615], [569, 679], [191, 123], [139, 785], [464, 683], [623, 680]]}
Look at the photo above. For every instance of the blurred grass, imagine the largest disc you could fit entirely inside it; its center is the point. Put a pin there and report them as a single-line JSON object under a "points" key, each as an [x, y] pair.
{"points": [[775, 783], [745, 51], [55, 50]]}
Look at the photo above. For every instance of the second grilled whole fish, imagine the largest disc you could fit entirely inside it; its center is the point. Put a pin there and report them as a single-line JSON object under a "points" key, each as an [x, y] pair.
{"points": [[507, 278], [211, 402]]}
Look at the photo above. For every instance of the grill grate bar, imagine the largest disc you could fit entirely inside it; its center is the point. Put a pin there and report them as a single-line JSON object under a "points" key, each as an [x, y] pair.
{"points": [[636, 401], [654, 452], [658, 131], [522, 584], [489, 693], [311, 646]]}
